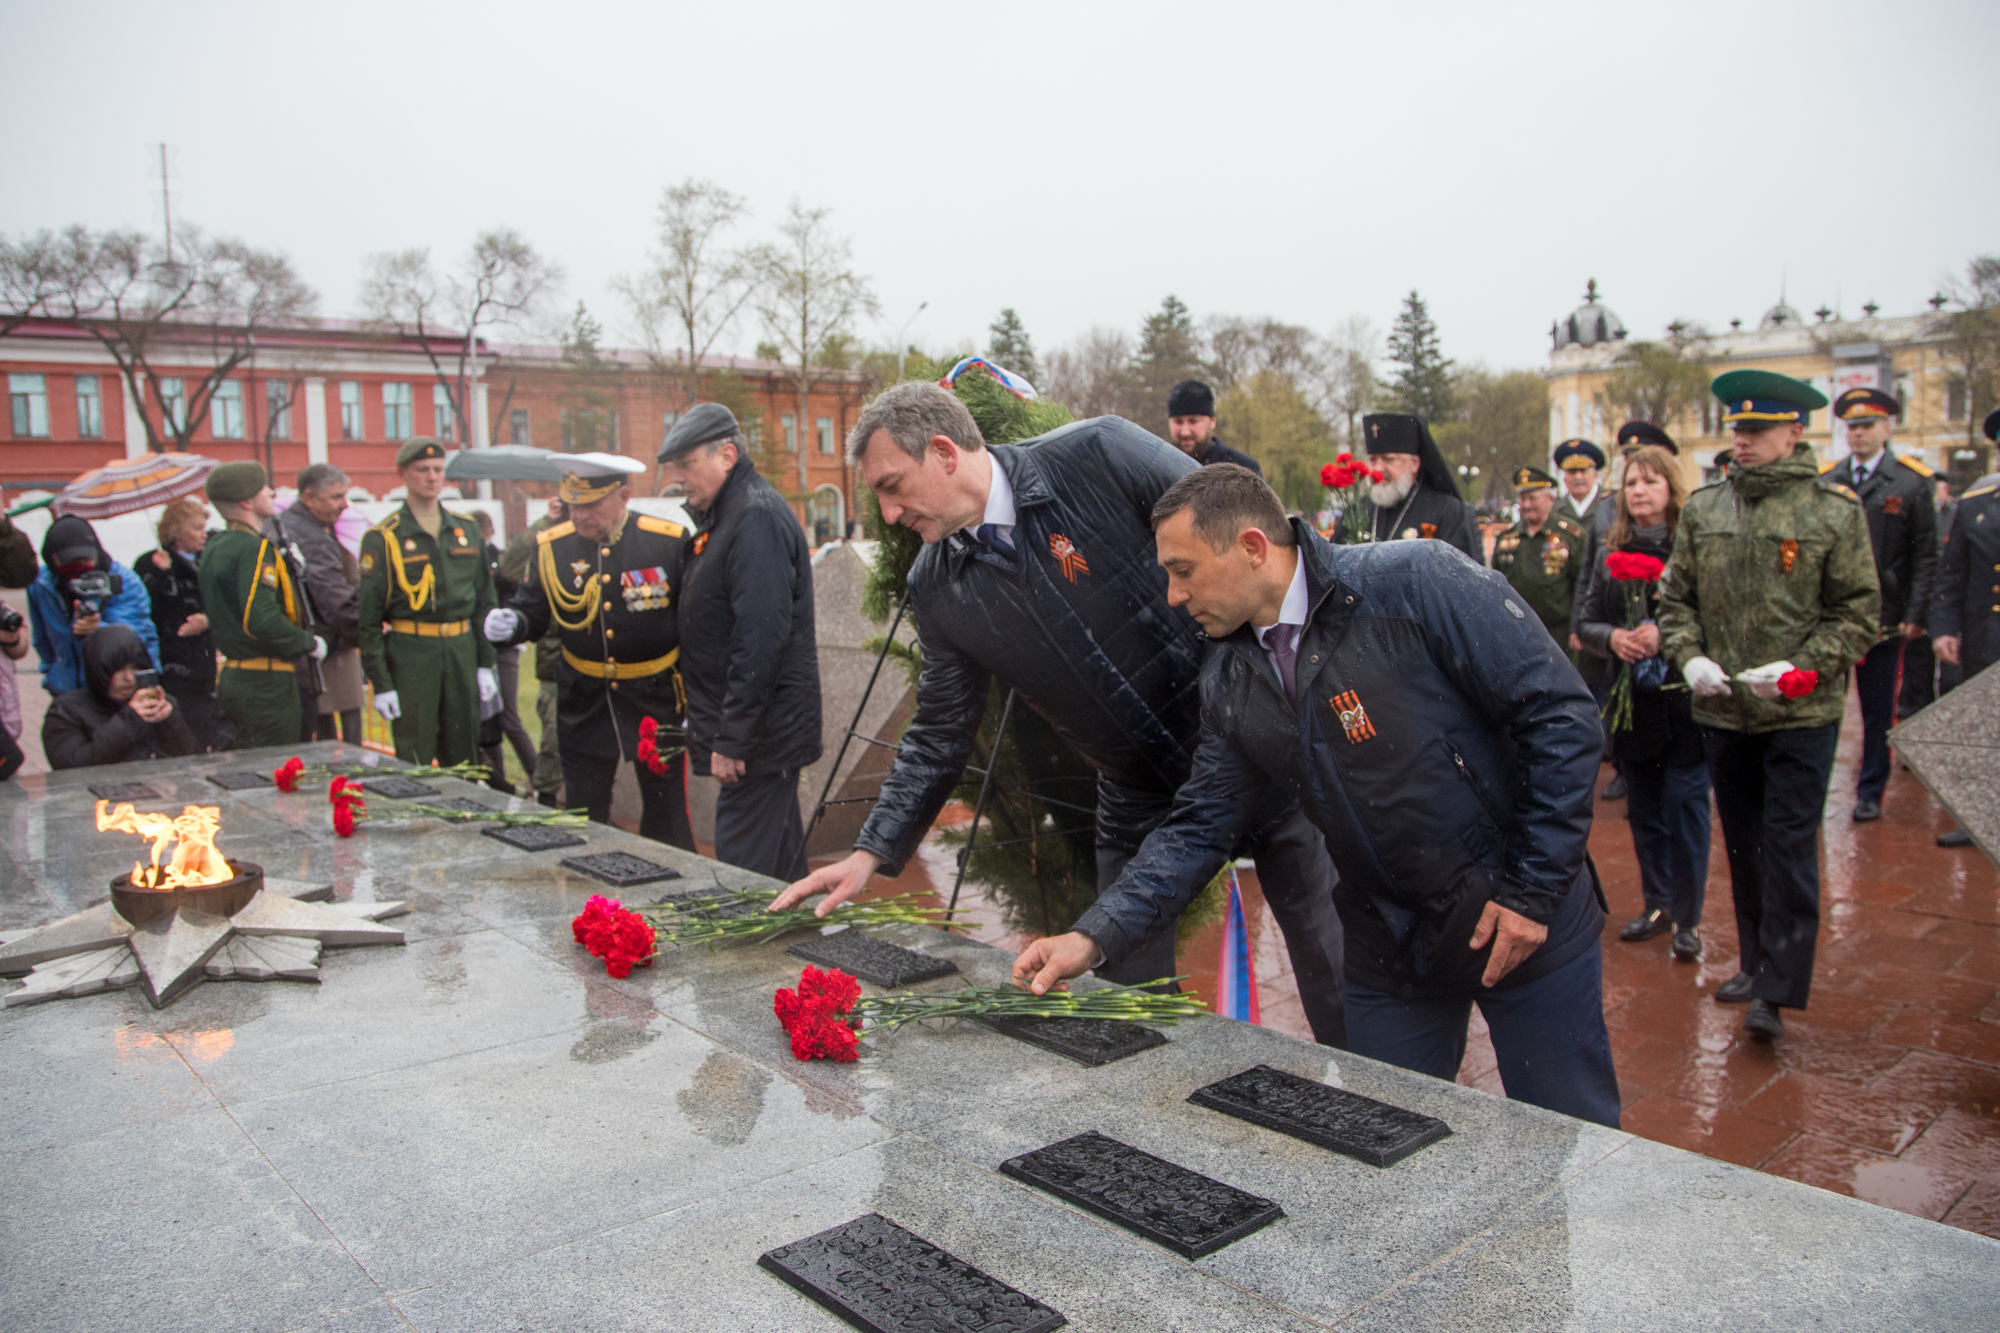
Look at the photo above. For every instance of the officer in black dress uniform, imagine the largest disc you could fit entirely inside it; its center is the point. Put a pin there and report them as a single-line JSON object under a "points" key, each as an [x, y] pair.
{"points": [[1419, 498], [1965, 607], [609, 578]]}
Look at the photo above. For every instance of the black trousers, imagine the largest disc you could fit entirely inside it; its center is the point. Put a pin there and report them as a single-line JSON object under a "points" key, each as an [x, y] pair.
{"points": [[1770, 790], [1298, 881], [1877, 681], [757, 825], [1670, 823], [663, 806]]}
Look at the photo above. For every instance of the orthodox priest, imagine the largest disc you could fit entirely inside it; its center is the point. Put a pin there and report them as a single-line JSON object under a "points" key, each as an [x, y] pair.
{"points": [[1416, 496]]}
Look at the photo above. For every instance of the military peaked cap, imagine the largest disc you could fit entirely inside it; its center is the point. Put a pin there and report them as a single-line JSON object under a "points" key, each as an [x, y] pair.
{"points": [[1532, 479], [1634, 434], [1572, 455], [416, 449], [1857, 404], [1191, 398], [1765, 398], [704, 423], [233, 483]]}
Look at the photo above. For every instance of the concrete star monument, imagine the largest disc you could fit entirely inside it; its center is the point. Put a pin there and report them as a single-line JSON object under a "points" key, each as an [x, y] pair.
{"points": [[1953, 747]]}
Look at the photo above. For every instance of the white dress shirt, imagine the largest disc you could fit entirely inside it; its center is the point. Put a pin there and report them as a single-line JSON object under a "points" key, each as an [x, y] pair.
{"points": [[1580, 505], [1863, 471], [1000, 501], [1292, 612]]}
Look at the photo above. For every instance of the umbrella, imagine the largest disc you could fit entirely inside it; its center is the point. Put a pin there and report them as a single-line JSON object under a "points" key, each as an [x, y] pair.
{"points": [[501, 462], [132, 484]]}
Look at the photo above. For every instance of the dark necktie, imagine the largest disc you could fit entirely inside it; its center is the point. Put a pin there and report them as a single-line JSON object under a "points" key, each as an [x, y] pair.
{"points": [[990, 534], [1283, 641]]}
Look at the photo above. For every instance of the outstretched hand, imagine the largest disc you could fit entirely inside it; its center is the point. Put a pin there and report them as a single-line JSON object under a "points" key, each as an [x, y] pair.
{"points": [[1514, 938], [839, 882], [1053, 960]]}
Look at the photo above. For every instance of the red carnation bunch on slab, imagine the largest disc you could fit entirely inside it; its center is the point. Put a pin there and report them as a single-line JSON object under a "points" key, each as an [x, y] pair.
{"points": [[614, 933], [1796, 684], [650, 753], [348, 805], [286, 775], [1632, 567], [815, 1015]]}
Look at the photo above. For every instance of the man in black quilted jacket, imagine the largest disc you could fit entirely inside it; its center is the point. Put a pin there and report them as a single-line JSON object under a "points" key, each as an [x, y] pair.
{"points": [[1038, 571]]}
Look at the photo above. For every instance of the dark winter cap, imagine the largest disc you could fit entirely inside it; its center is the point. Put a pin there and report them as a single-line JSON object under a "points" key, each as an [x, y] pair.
{"points": [[1191, 398], [1633, 434], [704, 423], [233, 483], [69, 541]]}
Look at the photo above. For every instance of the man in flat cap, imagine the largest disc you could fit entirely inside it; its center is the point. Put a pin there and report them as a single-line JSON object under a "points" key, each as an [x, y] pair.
{"points": [[1417, 498], [1965, 604], [608, 580], [425, 591], [1039, 573], [1902, 529], [256, 611], [1543, 554], [1191, 427], [1769, 596], [750, 661]]}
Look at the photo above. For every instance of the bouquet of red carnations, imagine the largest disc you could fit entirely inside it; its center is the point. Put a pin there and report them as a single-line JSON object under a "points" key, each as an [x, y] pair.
{"points": [[615, 933], [1344, 477], [1636, 574]]}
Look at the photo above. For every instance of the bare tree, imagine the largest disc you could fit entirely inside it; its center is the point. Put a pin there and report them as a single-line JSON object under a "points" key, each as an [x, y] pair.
{"points": [[1092, 376], [1350, 387], [205, 305], [697, 285], [1657, 382], [501, 280], [1969, 338], [807, 296]]}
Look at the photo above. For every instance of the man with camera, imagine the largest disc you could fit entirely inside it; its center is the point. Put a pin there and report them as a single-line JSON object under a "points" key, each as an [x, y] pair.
{"points": [[121, 715], [81, 589]]}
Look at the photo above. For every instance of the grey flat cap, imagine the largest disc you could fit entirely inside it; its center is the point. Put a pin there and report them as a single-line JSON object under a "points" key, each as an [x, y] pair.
{"points": [[704, 423]]}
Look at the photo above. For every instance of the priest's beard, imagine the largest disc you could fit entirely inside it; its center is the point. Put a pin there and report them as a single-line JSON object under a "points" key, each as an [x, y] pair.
{"points": [[1388, 494]]}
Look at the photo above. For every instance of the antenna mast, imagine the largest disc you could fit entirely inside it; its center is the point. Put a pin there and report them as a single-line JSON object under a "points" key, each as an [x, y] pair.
{"points": [[166, 204]]}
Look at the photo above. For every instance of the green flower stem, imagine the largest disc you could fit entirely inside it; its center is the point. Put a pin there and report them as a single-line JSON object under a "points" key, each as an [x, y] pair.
{"points": [[1130, 1004], [736, 916], [416, 810]]}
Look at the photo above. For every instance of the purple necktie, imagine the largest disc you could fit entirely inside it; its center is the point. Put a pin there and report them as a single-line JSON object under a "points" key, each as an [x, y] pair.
{"points": [[1283, 642]]}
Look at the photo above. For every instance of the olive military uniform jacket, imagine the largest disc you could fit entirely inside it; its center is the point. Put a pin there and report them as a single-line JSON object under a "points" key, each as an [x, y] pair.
{"points": [[1967, 601], [1902, 528], [1771, 565], [254, 605], [613, 605], [1544, 568], [408, 575]]}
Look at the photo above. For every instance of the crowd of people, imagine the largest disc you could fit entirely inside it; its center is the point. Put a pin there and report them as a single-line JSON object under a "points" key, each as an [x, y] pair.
{"points": [[1403, 729]]}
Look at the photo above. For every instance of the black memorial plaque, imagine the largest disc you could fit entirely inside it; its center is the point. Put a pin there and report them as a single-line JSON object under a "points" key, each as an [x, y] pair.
{"points": [[621, 870], [398, 788], [1088, 1041], [873, 960], [883, 1279], [242, 779], [1375, 1132], [125, 791], [532, 837], [1189, 1213], [465, 804]]}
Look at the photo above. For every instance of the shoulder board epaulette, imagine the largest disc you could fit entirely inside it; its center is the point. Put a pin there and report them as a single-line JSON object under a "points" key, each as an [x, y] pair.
{"points": [[1916, 465], [1977, 489], [547, 535], [1839, 489], [666, 527], [388, 524], [1569, 527], [458, 517], [1825, 468]]}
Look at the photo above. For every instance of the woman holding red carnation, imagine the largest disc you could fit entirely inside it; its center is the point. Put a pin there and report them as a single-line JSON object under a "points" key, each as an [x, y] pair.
{"points": [[1660, 753]]}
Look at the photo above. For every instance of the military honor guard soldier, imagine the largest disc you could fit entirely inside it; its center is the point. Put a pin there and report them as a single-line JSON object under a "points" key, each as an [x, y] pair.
{"points": [[425, 587], [1965, 608], [1770, 577], [1902, 531], [1543, 554], [1191, 427], [1417, 497], [256, 611], [607, 580]]}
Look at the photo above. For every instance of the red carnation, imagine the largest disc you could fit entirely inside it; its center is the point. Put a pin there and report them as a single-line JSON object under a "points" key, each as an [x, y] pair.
{"points": [[647, 728], [348, 804], [1796, 684], [1343, 457], [815, 1014], [825, 1036], [1631, 567], [287, 774], [618, 935]]}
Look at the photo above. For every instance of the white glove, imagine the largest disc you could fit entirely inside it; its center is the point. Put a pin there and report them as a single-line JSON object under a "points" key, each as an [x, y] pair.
{"points": [[501, 624], [1704, 676], [386, 705], [489, 684], [319, 649], [1763, 680]]}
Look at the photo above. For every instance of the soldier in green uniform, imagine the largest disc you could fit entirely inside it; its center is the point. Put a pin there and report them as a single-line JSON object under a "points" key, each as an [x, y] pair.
{"points": [[425, 589], [256, 611], [1543, 554], [608, 581], [1769, 597]]}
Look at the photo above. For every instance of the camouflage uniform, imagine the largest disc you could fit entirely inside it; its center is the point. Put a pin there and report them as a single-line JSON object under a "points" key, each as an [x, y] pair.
{"points": [[1544, 567]]}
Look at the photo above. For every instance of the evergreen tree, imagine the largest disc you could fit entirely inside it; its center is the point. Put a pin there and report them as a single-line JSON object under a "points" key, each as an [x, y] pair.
{"points": [[1009, 346], [1169, 352], [589, 415], [1423, 379]]}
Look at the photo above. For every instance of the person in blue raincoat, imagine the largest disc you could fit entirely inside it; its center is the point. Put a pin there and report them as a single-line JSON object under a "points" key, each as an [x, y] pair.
{"points": [[79, 589]]}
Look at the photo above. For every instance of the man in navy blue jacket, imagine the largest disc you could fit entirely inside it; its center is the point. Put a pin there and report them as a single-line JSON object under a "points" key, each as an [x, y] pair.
{"points": [[1038, 572], [1445, 747]]}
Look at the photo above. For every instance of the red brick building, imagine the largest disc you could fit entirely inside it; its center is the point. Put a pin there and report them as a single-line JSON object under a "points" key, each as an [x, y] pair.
{"points": [[349, 394]]}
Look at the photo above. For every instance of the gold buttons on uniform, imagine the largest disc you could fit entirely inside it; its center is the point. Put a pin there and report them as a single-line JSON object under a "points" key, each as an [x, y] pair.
{"points": [[604, 578], [604, 550], [608, 631]]}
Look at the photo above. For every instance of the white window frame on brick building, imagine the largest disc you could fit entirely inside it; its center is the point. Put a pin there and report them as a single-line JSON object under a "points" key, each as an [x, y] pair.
{"points": [[398, 412], [225, 411], [89, 408], [353, 425], [447, 420], [824, 428], [791, 425], [518, 427], [173, 404], [278, 409], [28, 397]]}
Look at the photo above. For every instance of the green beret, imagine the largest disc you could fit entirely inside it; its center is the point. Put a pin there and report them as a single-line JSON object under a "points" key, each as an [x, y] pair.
{"points": [[233, 483], [416, 449]]}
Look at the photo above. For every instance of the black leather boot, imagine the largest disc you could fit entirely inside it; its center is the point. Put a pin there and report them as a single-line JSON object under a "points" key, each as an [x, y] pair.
{"points": [[1646, 925]]}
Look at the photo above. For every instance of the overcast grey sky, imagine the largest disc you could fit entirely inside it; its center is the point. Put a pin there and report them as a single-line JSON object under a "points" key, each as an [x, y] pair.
{"points": [[1077, 160]]}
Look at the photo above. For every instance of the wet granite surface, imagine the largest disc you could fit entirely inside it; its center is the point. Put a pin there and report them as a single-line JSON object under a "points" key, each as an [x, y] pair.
{"points": [[481, 1130]]}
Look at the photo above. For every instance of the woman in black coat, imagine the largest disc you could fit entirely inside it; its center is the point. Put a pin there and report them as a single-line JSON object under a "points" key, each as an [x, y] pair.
{"points": [[187, 650], [111, 720], [1660, 752]]}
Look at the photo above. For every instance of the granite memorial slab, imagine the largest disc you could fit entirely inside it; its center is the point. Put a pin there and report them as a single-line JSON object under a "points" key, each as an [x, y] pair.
{"points": [[1361, 1127], [875, 961], [464, 804], [1953, 746], [1088, 1041], [1189, 1213], [533, 837], [126, 791], [242, 779], [883, 1279], [621, 870], [395, 788]]}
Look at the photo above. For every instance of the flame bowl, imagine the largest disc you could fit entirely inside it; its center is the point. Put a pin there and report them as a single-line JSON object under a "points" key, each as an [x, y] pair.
{"points": [[138, 906]]}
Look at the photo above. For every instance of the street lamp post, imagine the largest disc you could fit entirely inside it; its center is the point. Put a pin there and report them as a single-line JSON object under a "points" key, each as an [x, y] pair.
{"points": [[901, 346]]}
